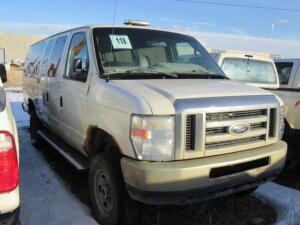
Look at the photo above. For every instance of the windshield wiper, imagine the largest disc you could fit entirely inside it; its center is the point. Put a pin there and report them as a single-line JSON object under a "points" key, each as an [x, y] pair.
{"points": [[203, 75], [140, 73]]}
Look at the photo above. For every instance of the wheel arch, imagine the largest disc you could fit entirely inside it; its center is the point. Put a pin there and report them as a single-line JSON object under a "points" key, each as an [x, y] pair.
{"points": [[100, 141]]}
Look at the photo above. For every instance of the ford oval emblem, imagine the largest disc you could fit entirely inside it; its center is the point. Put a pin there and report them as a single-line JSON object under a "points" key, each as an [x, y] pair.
{"points": [[239, 128]]}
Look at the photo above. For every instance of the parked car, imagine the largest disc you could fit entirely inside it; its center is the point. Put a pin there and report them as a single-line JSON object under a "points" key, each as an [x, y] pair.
{"points": [[289, 91], [254, 68], [9, 162], [151, 115]]}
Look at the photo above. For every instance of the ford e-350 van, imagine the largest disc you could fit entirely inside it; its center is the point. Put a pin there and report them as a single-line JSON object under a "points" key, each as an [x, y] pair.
{"points": [[152, 117]]}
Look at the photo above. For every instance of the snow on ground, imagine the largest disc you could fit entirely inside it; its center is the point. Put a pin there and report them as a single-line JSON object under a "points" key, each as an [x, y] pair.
{"points": [[285, 200], [45, 199]]}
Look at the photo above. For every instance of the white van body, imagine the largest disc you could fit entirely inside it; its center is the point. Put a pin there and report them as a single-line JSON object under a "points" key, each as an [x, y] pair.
{"points": [[9, 200], [153, 108], [289, 92], [234, 63]]}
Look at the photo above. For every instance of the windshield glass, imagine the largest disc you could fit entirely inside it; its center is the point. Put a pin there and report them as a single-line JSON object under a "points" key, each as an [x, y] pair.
{"points": [[249, 70], [127, 51]]}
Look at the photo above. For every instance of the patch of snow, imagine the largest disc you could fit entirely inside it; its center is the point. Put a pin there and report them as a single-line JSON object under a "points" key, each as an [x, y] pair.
{"points": [[285, 200]]}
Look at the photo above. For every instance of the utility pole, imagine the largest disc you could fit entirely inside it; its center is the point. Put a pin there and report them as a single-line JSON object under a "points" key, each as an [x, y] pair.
{"points": [[271, 38]]}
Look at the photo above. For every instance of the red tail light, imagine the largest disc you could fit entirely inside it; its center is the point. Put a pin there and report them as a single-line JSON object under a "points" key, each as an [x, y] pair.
{"points": [[9, 168]]}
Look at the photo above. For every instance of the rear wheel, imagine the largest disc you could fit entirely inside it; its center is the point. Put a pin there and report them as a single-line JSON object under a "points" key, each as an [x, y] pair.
{"points": [[110, 201], [35, 125]]}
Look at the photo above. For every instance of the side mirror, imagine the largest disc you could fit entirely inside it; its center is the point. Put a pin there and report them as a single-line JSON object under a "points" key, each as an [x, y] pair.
{"points": [[77, 65], [78, 70], [3, 74]]}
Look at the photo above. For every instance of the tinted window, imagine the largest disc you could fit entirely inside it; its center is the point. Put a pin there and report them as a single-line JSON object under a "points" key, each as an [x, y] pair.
{"points": [[78, 58], [46, 58], [249, 70], [34, 58], [56, 55], [284, 70]]}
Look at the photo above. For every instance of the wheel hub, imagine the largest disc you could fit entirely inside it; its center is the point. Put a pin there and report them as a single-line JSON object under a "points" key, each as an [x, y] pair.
{"points": [[104, 192]]}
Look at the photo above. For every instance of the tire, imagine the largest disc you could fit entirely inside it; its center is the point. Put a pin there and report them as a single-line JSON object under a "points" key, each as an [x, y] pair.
{"points": [[35, 125], [111, 204]]}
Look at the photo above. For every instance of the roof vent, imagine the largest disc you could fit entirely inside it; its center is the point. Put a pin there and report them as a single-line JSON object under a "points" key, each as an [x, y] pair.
{"points": [[140, 23]]}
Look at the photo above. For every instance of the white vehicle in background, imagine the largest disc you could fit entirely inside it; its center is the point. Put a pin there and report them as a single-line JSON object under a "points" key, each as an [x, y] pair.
{"points": [[289, 75], [253, 68], [9, 163]]}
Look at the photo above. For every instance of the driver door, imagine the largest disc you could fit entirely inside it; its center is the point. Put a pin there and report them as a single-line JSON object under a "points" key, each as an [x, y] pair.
{"points": [[74, 88]]}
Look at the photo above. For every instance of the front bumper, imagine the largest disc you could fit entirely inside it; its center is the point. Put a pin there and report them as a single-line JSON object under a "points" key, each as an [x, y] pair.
{"points": [[181, 182]]}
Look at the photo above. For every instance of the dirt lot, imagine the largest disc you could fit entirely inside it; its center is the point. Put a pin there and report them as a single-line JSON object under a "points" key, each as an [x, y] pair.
{"points": [[15, 77]]}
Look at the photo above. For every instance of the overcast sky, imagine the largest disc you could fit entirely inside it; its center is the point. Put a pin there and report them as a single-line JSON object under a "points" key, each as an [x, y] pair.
{"points": [[217, 26]]}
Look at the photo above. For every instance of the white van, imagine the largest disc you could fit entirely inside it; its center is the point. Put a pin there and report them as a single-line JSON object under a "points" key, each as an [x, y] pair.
{"points": [[253, 68], [152, 116], [9, 162]]}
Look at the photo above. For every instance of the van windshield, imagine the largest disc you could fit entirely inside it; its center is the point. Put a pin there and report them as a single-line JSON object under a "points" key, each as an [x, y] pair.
{"points": [[125, 52], [249, 70]]}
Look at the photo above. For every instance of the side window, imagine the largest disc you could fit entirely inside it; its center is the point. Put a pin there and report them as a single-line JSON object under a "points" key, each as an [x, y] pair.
{"points": [[46, 58], [56, 55], [284, 70], [78, 58], [35, 58]]}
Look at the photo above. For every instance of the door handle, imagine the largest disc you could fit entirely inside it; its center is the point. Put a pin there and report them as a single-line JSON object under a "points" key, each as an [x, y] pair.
{"points": [[47, 96], [61, 102]]}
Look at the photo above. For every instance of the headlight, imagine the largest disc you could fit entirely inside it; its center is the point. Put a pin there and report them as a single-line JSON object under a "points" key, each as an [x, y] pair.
{"points": [[153, 137], [2, 99], [281, 118]]}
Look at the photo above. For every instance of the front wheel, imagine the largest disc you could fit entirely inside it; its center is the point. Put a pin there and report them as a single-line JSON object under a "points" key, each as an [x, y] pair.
{"points": [[110, 201]]}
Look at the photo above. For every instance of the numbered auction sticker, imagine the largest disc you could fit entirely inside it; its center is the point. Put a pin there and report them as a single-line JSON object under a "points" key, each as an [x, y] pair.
{"points": [[120, 41]]}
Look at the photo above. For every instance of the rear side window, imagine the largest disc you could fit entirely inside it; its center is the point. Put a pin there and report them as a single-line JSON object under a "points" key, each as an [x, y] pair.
{"points": [[78, 58], [47, 55], [56, 56], [34, 59], [284, 70]]}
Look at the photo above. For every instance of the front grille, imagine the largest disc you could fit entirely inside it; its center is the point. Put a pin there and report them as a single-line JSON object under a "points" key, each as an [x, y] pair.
{"points": [[218, 125], [218, 133]]}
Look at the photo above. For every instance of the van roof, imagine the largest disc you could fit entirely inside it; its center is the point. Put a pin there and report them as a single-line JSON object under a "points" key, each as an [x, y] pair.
{"points": [[92, 26]]}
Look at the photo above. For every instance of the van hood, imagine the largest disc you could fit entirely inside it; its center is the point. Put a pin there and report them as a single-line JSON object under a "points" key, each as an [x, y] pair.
{"points": [[161, 94]]}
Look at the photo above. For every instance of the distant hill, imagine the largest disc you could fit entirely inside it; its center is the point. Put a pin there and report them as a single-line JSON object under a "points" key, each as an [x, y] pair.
{"points": [[16, 45]]}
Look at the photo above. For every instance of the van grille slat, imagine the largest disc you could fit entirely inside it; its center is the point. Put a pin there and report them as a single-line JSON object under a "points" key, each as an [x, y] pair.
{"points": [[237, 114]]}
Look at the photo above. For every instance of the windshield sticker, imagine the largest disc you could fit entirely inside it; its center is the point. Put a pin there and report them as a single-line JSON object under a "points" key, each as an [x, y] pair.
{"points": [[120, 41]]}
